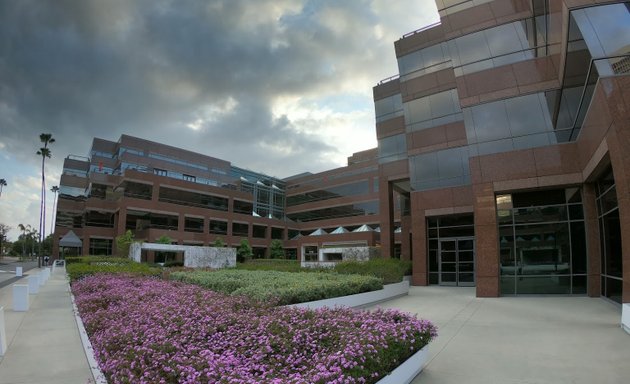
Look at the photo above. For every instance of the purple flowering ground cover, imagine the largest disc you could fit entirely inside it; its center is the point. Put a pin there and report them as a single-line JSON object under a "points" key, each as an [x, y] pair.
{"points": [[146, 330]]}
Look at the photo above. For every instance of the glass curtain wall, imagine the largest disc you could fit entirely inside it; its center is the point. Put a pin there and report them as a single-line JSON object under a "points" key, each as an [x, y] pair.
{"points": [[610, 237], [542, 242]]}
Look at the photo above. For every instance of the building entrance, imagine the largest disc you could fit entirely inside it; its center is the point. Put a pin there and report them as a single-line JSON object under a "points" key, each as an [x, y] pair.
{"points": [[457, 261]]}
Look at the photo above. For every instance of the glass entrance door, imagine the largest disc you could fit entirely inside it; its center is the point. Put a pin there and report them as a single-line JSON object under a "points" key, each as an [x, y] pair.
{"points": [[457, 261]]}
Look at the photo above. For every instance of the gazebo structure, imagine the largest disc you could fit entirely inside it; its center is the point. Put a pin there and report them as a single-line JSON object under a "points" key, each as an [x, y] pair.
{"points": [[69, 242]]}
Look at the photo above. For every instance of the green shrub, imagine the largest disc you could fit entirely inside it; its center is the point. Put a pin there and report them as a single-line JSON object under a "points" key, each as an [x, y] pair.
{"points": [[77, 271], [271, 265], [97, 259], [389, 270], [280, 287], [173, 263]]}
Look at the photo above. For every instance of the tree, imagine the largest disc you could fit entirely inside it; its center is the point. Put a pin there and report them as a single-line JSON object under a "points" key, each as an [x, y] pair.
{"points": [[4, 229], [123, 242], [54, 190], [276, 250], [244, 251], [23, 229], [44, 152], [3, 183], [218, 242], [164, 240]]}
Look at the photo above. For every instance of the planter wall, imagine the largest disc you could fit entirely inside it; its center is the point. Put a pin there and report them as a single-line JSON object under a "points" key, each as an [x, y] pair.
{"points": [[408, 370], [388, 292]]}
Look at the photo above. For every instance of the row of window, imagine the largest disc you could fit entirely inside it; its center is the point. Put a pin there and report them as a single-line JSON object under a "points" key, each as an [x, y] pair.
{"points": [[353, 189], [358, 209], [501, 45]]}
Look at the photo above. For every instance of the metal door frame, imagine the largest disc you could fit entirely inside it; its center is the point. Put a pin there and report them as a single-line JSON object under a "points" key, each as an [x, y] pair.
{"points": [[456, 283]]}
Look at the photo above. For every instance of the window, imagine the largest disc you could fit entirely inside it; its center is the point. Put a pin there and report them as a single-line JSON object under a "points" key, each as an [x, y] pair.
{"points": [[424, 61], [193, 199], [439, 169], [433, 110], [243, 207], [218, 227], [388, 108], [189, 178], [160, 172], [392, 148], [542, 242], [137, 190], [239, 229], [100, 247], [193, 224], [518, 123], [259, 231]]}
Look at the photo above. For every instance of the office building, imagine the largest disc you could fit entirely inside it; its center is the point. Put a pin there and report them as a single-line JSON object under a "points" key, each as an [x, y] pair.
{"points": [[506, 132]]}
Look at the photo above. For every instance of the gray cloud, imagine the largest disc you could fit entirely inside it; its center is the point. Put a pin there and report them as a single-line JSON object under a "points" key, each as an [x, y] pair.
{"points": [[80, 69]]}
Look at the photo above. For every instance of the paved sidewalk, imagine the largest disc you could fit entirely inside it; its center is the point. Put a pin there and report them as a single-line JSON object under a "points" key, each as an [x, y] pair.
{"points": [[43, 343], [519, 340]]}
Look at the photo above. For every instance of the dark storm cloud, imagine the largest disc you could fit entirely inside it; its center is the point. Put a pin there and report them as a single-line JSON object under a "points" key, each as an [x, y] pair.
{"points": [[80, 69]]}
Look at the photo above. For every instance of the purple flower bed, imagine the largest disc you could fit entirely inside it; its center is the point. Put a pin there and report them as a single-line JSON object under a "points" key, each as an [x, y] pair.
{"points": [[146, 330]]}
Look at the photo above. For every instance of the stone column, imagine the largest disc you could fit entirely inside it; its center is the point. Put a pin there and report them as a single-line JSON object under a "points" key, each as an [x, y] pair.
{"points": [[418, 242], [486, 240], [593, 250]]}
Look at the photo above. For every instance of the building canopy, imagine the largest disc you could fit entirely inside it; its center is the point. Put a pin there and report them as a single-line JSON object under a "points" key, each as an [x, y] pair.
{"points": [[70, 239]]}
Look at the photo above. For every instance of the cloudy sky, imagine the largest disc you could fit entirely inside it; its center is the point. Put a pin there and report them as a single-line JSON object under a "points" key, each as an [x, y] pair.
{"points": [[276, 86]]}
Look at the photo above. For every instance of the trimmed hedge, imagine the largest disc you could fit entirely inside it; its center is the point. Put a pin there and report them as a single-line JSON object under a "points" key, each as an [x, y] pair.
{"points": [[272, 265], [97, 259], [280, 287], [389, 270], [77, 271]]}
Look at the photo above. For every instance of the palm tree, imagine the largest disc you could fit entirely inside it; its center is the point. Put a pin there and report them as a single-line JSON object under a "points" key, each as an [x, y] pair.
{"points": [[44, 152], [54, 190], [32, 234], [3, 183], [23, 229]]}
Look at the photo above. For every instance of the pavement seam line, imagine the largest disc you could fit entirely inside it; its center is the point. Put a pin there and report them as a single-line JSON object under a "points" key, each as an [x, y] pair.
{"points": [[471, 302]]}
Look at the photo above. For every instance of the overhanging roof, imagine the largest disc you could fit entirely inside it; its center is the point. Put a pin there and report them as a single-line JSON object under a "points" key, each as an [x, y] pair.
{"points": [[70, 239]]}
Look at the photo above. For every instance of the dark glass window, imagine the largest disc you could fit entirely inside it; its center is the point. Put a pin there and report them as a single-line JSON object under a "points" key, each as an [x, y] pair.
{"points": [[240, 229], [218, 227], [358, 209], [193, 224], [69, 219], [140, 220], [193, 199], [353, 189], [277, 233], [259, 231], [99, 219], [541, 251], [100, 247], [245, 207], [137, 190]]}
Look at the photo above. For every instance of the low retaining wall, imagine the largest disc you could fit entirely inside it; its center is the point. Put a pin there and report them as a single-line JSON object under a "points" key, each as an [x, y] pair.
{"points": [[194, 257], [407, 371], [388, 292]]}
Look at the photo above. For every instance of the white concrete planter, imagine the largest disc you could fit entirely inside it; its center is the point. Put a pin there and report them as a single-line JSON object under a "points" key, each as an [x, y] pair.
{"points": [[20, 297], [408, 370], [625, 317], [33, 284], [388, 292]]}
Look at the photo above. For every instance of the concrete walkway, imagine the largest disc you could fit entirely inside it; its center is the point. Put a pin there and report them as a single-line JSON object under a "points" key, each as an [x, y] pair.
{"points": [[519, 340], [43, 343]]}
